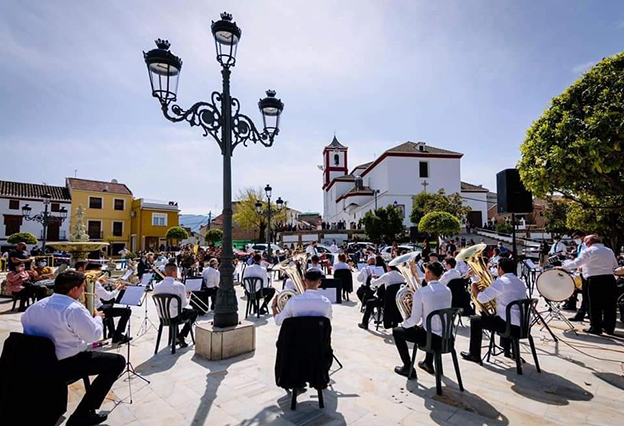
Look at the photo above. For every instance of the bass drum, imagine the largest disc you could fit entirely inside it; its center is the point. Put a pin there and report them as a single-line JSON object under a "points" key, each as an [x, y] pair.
{"points": [[555, 285]]}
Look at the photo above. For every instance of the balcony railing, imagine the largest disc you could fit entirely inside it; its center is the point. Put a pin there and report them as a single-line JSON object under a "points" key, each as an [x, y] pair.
{"points": [[62, 235]]}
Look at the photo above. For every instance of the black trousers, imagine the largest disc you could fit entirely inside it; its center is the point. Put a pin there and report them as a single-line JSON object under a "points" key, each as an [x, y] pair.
{"points": [[110, 312], [416, 335], [602, 302], [364, 293], [494, 323], [188, 316], [106, 366], [267, 293], [371, 303]]}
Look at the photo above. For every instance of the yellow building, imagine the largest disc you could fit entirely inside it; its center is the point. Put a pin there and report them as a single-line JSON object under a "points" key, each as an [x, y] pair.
{"points": [[150, 221], [107, 210]]}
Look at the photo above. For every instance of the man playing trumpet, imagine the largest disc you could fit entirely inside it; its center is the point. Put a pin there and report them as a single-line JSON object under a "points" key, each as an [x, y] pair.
{"points": [[308, 304]]}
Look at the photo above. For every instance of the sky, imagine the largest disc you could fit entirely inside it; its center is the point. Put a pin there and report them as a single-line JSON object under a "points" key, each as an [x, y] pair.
{"points": [[469, 76]]}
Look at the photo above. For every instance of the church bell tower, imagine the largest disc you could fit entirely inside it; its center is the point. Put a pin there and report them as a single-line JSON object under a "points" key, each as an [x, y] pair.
{"points": [[334, 161]]}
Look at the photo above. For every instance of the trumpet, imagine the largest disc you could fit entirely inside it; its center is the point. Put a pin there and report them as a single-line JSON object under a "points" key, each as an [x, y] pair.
{"points": [[473, 256], [292, 271], [406, 264]]}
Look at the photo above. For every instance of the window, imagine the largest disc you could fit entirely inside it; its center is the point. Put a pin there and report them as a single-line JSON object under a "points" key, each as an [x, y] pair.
{"points": [[159, 219], [120, 204], [12, 224], [95, 202], [424, 169], [13, 205], [94, 229], [117, 229], [55, 207], [336, 159]]}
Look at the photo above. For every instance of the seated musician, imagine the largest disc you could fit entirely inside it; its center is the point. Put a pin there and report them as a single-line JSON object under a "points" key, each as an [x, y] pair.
{"points": [[210, 283], [451, 273], [308, 304], [65, 321], [453, 279], [315, 263], [365, 275], [427, 299], [20, 285], [105, 302], [341, 262], [170, 285], [392, 277], [505, 289], [256, 270]]}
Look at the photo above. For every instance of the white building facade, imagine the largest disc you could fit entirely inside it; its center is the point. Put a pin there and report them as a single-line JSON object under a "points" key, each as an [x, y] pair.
{"points": [[15, 195], [394, 178]]}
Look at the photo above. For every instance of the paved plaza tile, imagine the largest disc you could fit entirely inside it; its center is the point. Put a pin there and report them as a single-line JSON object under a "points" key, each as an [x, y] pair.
{"points": [[581, 383]]}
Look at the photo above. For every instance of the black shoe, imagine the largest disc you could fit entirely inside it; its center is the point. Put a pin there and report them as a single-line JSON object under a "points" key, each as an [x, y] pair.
{"points": [[363, 326], [403, 371], [611, 333], [427, 367], [470, 357], [182, 343], [89, 418], [592, 331], [121, 339], [577, 318]]}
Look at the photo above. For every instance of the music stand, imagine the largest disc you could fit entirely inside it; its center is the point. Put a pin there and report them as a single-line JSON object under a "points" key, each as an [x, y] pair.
{"points": [[147, 323], [133, 296]]}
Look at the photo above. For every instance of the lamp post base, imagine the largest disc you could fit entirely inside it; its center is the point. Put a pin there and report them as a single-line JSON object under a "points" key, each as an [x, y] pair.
{"points": [[225, 319]]}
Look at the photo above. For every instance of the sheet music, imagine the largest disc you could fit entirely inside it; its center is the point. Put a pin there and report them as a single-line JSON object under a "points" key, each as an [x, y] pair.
{"points": [[126, 275], [145, 280], [530, 264], [193, 284], [361, 266], [378, 270], [132, 295]]}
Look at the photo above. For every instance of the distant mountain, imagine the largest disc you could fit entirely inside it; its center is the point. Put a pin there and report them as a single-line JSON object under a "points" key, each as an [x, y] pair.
{"points": [[193, 221]]}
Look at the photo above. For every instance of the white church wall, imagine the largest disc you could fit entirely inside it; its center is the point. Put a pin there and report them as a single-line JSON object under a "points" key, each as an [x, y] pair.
{"points": [[404, 175], [377, 178], [477, 201]]}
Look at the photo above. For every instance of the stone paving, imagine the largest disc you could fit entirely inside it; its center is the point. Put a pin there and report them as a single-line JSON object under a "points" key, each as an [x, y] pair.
{"points": [[582, 382]]}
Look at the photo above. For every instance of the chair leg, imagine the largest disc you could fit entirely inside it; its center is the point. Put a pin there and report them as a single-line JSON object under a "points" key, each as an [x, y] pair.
{"points": [[457, 373], [537, 366], [192, 335], [293, 401], [516, 348], [320, 397], [173, 332], [411, 369], [438, 372], [491, 347], [160, 329], [441, 366], [247, 308], [257, 308]]}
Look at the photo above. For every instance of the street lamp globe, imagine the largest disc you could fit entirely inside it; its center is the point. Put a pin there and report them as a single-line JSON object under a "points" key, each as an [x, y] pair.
{"points": [[227, 35], [163, 68], [280, 203], [26, 210], [63, 213], [271, 109], [46, 198], [258, 207], [268, 190]]}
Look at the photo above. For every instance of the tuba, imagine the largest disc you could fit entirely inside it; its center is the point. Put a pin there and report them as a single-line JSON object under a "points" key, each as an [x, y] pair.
{"points": [[88, 297], [292, 271], [406, 264], [473, 256]]}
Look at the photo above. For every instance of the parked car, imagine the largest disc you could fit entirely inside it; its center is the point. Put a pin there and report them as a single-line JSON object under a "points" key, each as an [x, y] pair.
{"points": [[359, 245], [386, 253], [263, 246]]}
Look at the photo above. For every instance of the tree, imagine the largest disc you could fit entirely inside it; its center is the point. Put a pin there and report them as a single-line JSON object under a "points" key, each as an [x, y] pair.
{"points": [[556, 215], [214, 235], [427, 202], [384, 223], [22, 237], [439, 224], [503, 227], [246, 215], [176, 233], [575, 147], [607, 223]]}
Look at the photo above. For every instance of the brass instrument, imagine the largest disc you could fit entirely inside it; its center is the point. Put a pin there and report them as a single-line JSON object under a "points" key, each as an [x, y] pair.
{"points": [[406, 264], [473, 256], [88, 297], [294, 272]]}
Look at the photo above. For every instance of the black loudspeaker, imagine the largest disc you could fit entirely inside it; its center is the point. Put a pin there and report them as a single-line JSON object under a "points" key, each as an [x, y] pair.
{"points": [[512, 195]]}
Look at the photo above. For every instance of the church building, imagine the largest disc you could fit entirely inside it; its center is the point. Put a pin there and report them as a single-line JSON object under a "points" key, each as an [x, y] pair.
{"points": [[394, 178]]}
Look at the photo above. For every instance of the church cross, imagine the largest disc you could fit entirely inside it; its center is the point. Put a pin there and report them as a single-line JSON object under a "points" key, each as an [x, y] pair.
{"points": [[425, 185]]}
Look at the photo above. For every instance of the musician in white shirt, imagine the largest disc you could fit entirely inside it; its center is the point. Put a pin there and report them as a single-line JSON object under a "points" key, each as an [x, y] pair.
{"points": [[341, 262], [210, 282], [170, 285], [72, 329], [392, 277], [311, 249], [504, 290], [558, 248], [308, 304], [364, 291], [451, 272], [315, 263], [255, 270], [432, 297], [598, 264]]}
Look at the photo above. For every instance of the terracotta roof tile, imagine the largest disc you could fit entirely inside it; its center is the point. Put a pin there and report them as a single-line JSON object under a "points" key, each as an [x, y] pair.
{"points": [[468, 187], [414, 147], [33, 190], [98, 186]]}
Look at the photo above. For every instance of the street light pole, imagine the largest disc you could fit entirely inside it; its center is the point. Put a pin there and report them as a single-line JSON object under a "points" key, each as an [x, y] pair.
{"points": [[45, 225], [44, 218], [219, 117]]}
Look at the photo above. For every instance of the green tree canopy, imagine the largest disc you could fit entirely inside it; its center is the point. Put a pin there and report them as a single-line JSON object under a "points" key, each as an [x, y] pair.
{"points": [[384, 223], [556, 215], [439, 223], [22, 237], [575, 147], [503, 227], [247, 217], [176, 233], [214, 235], [427, 202]]}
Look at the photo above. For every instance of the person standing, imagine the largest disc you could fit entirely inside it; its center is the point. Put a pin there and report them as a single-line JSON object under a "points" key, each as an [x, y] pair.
{"points": [[598, 264], [570, 304], [72, 329], [20, 256]]}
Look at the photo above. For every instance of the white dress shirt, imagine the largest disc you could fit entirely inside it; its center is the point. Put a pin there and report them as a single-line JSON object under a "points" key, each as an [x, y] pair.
{"points": [[256, 270], [557, 248], [333, 248], [448, 276], [505, 289], [65, 321], [311, 250], [389, 278], [427, 299], [318, 267], [102, 293], [462, 267], [308, 304], [340, 265], [211, 277], [364, 274], [289, 285], [595, 260], [170, 286]]}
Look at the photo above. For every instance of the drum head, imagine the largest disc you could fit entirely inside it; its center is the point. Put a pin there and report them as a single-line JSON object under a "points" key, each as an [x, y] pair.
{"points": [[555, 285]]}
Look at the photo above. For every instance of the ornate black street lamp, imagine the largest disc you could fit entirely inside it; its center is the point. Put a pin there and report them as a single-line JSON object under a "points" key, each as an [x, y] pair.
{"points": [[44, 218], [221, 119], [280, 203]]}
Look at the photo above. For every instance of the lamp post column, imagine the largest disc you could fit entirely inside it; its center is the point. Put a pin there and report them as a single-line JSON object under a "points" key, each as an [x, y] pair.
{"points": [[269, 231], [226, 311], [45, 227]]}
